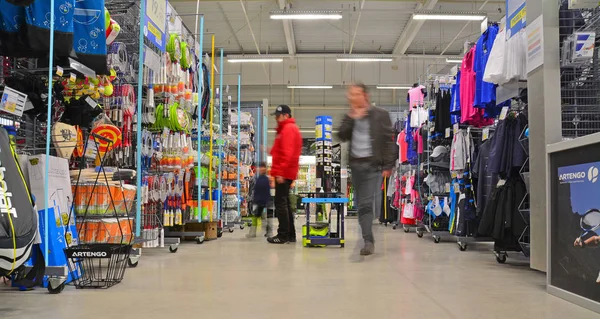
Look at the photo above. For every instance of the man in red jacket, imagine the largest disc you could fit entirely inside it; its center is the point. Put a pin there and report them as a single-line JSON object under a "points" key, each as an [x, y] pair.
{"points": [[286, 155]]}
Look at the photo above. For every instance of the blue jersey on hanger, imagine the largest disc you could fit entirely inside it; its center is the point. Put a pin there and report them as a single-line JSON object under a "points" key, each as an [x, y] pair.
{"points": [[455, 102], [485, 92], [411, 153]]}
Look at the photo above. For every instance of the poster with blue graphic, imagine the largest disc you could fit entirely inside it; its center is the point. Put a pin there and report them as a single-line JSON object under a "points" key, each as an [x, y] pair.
{"points": [[155, 28], [516, 17], [575, 233]]}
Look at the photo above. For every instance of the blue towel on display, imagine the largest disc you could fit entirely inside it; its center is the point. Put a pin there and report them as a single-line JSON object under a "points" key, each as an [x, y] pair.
{"points": [[38, 21], [89, 40]]}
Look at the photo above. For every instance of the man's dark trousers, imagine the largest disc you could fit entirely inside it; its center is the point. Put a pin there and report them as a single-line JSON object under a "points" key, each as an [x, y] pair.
{"points": [[283, 210]]}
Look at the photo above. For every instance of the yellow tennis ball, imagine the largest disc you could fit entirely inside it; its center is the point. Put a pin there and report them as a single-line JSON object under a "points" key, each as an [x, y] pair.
{"points": [[108, 90]]}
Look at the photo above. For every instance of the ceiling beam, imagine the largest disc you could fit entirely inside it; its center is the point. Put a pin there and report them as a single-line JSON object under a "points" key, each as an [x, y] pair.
{"points": [[362, 5], [241, 48], [288, 30], [463, 29], [412, 28], [337, 55]]}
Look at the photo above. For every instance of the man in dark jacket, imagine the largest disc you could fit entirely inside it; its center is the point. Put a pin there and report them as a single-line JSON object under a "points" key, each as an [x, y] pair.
{"points": [[260, 200], [286, 156], [369, 131]]}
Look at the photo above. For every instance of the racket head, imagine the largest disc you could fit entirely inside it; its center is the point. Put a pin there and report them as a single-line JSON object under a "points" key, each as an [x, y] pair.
{"points": [[64, 138], [590, 221]]}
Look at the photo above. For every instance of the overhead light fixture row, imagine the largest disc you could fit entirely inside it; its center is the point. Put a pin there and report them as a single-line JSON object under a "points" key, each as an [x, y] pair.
{"points": [[453, 60], [321, 87], [364, 58], [394, 87], [306, 15], [450, 16], [256, 58]]}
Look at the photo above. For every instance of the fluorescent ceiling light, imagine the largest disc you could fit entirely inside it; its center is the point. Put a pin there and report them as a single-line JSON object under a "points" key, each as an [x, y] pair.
{"points": [[253, 58], [393, 87], [323, 87], [460, 16], [306, 15], [450, 60], [365, 59]]}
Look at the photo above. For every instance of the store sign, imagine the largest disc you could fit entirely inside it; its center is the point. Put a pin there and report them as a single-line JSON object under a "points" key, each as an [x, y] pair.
{"points": [[575, 222], [516, 13], [535, 44], [156, 22]]}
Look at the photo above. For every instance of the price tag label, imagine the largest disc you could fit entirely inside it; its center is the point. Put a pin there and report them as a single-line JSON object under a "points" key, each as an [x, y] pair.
{"points": [[59, 71], [91, 102], [422, 166], [73, 77], [456, 188], [447, 188], [503, 113], [455, 128], [92, 87], [485, 134], [454, 175], [447, 132], [432, 129]]}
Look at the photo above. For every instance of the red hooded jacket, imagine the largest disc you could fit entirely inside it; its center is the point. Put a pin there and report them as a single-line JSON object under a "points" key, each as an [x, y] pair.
{"points": [[286, 150]]}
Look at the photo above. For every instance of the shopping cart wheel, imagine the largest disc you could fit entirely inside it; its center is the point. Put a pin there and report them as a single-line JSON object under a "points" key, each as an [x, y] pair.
{"points": [[501, 257], [242, 226], [406, 229], [462, 246], [199, 240], [436, 239], [173, 249], [231, 229], [419, 233], [132, 264], [57, 290], [394, 227]]}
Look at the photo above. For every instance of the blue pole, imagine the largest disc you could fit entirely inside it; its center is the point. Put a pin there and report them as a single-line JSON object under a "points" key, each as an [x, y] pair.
{"points": [[258, 120], [265, 133], [239, 108], [199, 114], [220, 133], [138, 151], [48, 130]]}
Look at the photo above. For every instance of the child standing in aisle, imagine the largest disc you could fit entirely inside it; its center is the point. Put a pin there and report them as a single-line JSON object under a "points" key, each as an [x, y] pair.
{"points": [[261, 198]]}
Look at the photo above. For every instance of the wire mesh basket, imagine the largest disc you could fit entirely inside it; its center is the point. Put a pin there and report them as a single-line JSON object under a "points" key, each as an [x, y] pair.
{"points": [[101, 266]]}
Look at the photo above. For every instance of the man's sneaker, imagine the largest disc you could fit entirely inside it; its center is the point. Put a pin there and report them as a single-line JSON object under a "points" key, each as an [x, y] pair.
{"points": [[292, 239], [369, 249], [276, 240]]}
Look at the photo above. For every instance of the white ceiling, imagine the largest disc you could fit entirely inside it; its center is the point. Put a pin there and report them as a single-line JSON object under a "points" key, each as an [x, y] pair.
{"points": [[380, 27]]}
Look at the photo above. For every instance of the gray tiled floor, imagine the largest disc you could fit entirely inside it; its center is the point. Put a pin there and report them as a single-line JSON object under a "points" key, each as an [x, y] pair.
{"points": [[237, 278]]}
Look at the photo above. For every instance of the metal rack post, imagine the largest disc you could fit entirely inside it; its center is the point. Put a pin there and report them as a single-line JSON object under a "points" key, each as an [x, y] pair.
{"points": [[199, 114], [220, 135], [138, 153], [48, 130], [239, 110]]}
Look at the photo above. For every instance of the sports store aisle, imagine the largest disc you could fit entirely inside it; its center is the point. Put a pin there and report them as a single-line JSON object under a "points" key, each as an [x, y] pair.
{"points": [[407, 278]]}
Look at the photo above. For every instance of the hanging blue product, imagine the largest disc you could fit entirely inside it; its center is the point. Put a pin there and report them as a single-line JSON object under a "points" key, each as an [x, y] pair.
{"points": [[12, 20], [89, 41], [38, 20]]}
